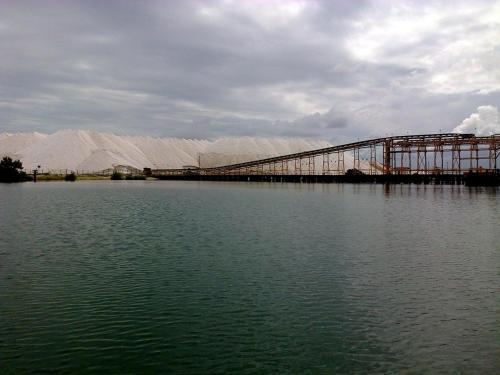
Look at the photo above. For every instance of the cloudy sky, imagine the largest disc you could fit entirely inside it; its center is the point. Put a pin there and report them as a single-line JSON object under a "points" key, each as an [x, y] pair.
{"points": [[336, 70]]}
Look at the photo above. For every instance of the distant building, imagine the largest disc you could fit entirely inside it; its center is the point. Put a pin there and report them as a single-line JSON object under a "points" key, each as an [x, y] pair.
{"points": [[123, 169]]}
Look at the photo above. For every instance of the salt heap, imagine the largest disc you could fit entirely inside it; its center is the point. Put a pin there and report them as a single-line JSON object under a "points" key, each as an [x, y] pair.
{"points": [[11, 144], [94, 151], [225, 151]]}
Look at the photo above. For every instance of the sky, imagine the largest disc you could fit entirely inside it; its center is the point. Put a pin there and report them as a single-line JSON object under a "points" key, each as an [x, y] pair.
{"points": [[335, 70]]}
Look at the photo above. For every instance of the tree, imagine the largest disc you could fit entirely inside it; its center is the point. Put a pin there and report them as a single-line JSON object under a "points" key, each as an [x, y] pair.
{"points": [[11, 170], [70, 177], [117, 176]]}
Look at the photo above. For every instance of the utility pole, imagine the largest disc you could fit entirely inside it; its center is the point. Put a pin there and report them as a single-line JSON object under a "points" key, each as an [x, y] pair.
{"points": [[35, 172]]}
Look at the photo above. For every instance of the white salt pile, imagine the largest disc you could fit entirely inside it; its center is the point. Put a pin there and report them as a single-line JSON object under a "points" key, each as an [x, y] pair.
{"points": [[237, 150], [95, 151]]}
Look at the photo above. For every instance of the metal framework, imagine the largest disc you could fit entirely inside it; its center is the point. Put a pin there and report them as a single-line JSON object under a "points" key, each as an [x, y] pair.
{"points": [[427, 154]]}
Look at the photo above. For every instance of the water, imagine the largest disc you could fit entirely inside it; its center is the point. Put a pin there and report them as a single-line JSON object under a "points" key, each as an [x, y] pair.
{"points": [[187, 277]]}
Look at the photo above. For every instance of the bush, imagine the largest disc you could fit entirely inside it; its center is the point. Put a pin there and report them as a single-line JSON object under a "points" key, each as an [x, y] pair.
{"points": [[354, 172], [117, 176], [70, 177], [49, 177], [11, 171]]}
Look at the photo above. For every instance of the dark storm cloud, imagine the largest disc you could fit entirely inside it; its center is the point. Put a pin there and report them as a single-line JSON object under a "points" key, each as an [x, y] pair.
{"points": [[212, 68]]}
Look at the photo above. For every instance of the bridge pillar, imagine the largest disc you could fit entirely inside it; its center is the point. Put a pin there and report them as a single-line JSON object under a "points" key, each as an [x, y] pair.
{"points": [[387, 156]]}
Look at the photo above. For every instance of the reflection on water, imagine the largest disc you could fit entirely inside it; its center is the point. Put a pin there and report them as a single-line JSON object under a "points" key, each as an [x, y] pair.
{"points": [[206, 277]]}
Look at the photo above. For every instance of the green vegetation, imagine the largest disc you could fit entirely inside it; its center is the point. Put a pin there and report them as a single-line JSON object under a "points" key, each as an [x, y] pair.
{"points": [[11, 171], [49, 177], [70, 177], [92, 178], [117, 176], [121, 176], [354, 172]]}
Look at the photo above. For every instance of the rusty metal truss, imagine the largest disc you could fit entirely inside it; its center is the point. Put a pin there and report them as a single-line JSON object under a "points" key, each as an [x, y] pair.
{"points": [[427, 154]]}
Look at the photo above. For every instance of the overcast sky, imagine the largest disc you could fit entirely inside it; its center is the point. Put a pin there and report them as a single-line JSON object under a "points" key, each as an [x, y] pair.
{"points": [[336, 70]]}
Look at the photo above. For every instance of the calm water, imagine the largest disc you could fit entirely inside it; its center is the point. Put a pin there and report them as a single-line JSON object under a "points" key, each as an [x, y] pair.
{"points": [[187, 277]]}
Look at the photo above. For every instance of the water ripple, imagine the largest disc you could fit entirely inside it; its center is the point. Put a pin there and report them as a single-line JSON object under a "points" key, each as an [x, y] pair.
{"points": [[248, 278]]}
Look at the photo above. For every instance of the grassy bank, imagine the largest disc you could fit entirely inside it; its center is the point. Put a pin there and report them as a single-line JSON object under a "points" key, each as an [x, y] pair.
{"points": [[89, 178], [57, 177], [49, 177]]}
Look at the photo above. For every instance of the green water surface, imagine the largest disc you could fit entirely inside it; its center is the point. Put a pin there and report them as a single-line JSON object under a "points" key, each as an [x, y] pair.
{"points": [[253, 278]]}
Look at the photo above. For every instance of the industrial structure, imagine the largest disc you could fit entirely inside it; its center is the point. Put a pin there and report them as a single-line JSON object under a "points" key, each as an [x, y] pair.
{"points": [[438, 155]]}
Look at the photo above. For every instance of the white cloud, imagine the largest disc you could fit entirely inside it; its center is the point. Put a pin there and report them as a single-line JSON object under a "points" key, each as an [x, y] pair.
{"points": [[485, 121], [455, 46], [382, 28], [270, 14], [249, 67]]}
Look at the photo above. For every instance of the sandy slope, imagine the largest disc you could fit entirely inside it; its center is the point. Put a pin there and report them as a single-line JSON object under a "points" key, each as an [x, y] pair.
{"points": [[11, 144], [95, 151]]}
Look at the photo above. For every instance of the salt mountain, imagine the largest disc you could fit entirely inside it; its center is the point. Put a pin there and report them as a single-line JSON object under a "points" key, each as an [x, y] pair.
{"points": [[95, 151]]}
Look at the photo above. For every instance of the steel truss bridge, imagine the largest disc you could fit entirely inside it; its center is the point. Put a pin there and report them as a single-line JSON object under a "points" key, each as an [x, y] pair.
{"points": [[427, 154]]}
